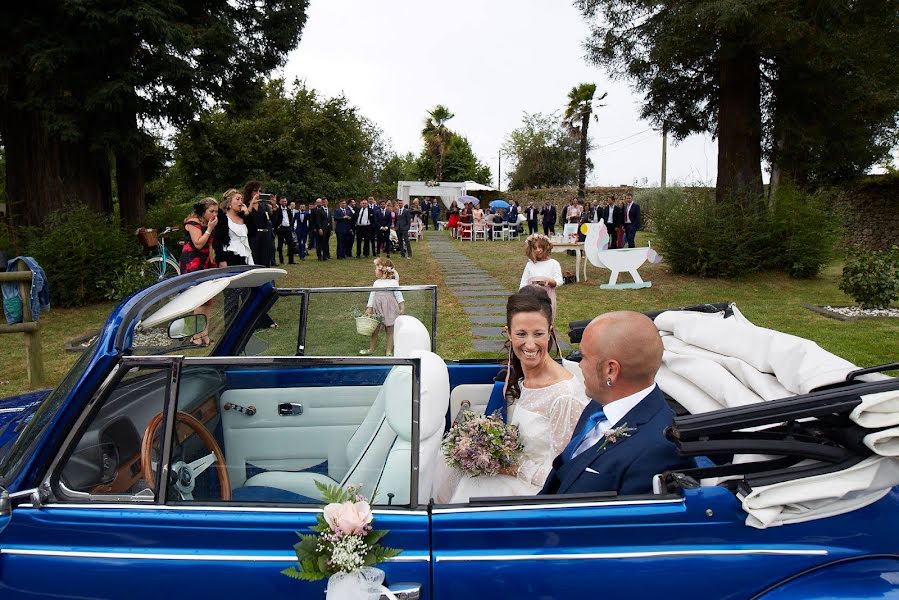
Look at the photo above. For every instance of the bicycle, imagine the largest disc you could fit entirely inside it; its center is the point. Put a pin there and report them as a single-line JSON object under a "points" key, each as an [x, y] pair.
{"points": [[161, 265]]}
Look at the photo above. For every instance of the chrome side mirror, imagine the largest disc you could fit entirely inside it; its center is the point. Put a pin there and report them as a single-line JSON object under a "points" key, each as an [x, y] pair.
{"points": [[186, 327]]}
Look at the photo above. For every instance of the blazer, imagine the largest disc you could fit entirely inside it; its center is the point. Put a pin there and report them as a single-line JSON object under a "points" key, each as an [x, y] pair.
{"points": [[301, 223], [342, 224], [617, 216], [531, 213], [278, 216], [321, 220], [549, 215], [628, 465], [635, 214], [403, 219]]}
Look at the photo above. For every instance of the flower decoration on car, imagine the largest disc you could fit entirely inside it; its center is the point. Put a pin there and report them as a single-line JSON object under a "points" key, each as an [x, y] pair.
{"points": [[345, 540]]}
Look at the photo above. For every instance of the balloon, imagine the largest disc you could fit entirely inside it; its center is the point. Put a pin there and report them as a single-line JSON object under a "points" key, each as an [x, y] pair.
{"points": [[584, 228]]}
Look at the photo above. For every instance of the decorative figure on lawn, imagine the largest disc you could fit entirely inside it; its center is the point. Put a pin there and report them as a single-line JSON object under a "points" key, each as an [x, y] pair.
{"points": [[596, 247]]}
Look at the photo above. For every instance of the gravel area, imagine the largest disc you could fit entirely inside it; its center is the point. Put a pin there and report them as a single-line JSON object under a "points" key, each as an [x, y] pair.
{"points": [[857, 311]]}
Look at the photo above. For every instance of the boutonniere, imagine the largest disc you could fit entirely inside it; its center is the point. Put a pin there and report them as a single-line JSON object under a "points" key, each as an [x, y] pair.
{"points": [[615, 434]]}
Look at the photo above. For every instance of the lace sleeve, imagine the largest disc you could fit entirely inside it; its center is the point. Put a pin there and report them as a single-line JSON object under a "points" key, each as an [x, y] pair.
{"points": [[563, 413]]}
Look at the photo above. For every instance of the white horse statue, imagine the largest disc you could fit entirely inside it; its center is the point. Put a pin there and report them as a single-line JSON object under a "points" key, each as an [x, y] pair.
{"points": [[596, 247]]}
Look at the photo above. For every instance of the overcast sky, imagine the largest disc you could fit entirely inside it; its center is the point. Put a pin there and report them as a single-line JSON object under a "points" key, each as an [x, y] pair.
{"points": [[489, 62]]}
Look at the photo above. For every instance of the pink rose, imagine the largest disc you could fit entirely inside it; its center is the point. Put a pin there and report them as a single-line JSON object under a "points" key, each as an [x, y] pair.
{"points": [[348, 518]]}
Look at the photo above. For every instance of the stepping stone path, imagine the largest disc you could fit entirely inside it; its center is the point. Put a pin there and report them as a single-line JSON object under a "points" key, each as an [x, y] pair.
{"points": [[482, 297]]}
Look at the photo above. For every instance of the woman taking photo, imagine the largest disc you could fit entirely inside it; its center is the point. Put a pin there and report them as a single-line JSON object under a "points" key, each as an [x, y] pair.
{"points": [[232, 235], [195, 255]]}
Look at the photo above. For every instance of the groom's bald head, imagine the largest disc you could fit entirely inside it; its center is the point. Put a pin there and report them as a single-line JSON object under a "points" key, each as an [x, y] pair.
{"points": [[623, 348]]}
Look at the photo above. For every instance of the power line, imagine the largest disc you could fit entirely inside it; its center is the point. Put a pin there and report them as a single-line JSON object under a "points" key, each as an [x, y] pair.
{"points": [[624, 138], [602, 150]]}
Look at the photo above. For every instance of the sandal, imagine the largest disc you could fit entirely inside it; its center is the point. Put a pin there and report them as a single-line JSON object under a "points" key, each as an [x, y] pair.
{"points": [[364, 352], [198, 341]]}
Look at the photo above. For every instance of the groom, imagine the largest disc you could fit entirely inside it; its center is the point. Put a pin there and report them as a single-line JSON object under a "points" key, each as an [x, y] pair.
{"points": [[619, 442]]}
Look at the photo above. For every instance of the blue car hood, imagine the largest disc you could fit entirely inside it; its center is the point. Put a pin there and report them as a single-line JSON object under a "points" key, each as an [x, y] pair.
{"points": [[15, 413]]}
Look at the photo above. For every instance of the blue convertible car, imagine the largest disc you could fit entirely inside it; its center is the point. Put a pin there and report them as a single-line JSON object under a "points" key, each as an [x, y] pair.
{"points": [[158, 469]]}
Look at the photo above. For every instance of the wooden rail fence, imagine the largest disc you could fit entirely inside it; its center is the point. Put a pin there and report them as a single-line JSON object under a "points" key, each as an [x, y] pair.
{"points": [[34, 356]]}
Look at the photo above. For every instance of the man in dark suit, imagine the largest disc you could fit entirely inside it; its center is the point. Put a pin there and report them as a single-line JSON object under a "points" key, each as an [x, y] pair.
{"points": [[426, 214], [283, 220], [377, 211], [435, 212], [301, 226], [549, 218], [343, 223], [365, 223], [321, 223], [631, 221], [403, 223], [530, 215], [611, 218], [619, 442]]}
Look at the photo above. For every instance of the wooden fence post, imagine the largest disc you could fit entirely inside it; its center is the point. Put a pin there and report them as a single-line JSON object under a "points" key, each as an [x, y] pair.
{"points": [[34, 356]]}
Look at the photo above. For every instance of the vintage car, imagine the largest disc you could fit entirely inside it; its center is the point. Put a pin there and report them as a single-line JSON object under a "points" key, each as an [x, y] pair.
{"points": [[156, 469]]}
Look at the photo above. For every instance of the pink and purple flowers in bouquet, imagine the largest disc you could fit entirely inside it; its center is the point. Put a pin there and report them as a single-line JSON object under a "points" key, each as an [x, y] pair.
{"points": [[482, 445]]}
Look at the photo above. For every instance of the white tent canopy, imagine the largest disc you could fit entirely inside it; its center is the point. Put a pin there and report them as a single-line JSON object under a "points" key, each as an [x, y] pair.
{"points": [[447, 191]]}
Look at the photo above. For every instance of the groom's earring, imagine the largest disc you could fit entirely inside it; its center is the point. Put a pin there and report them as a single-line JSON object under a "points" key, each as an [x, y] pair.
{"points": [[609, 382]]}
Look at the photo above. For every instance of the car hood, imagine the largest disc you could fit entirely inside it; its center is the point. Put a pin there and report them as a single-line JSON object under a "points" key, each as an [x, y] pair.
{"points": [[15, 412]]}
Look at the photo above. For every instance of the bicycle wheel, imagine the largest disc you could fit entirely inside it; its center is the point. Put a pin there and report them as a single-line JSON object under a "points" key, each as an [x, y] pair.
{"points": [[159, 269]]}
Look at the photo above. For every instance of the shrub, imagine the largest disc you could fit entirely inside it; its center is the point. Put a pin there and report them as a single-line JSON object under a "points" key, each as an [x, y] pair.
{"points": [[77, 248], [804, 231], [701, 237], [130, 275], [871, 277]]}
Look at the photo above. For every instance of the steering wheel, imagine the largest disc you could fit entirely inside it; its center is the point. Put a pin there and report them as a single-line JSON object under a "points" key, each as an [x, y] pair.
{"points": [[186, 473]]}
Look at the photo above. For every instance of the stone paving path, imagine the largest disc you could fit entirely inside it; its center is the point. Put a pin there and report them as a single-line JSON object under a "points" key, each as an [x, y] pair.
{"points": [[482, 297]]}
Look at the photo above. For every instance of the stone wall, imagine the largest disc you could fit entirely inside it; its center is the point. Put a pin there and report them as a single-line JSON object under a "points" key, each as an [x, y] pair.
{"points": [[563, 195], [870, 211]]}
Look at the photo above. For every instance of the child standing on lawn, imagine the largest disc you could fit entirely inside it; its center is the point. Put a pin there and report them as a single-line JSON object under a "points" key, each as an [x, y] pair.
{"points": [[541, 269], [385, 304]]}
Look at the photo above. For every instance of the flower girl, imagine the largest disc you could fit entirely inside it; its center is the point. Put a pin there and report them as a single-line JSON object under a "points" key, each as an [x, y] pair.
{"points": [[385, 304]]}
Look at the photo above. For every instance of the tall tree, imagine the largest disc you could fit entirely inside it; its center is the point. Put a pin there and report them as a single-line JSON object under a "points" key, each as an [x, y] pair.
{"points": [[437, 136], [577, 119], [751, 72], [459, 161], [542, 153], [82, 81]]}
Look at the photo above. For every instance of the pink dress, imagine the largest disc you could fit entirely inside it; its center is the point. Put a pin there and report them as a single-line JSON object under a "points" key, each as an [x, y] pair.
{"points": [[385, 303]]}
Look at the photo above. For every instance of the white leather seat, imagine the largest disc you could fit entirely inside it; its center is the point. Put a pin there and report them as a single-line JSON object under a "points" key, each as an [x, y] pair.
{"points": [[409, 334]]}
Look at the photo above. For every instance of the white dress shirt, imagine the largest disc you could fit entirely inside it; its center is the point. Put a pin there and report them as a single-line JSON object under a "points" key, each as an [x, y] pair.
{"points": [[363, 217], [614, 412]]}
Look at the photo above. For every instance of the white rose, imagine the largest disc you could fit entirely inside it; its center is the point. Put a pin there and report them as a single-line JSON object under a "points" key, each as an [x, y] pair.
{"points": [[348, 518]]}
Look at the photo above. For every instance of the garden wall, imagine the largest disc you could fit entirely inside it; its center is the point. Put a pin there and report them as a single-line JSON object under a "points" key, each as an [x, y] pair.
{"points": [[870, 211]]}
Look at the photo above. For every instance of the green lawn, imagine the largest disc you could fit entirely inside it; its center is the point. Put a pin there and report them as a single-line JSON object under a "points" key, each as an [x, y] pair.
{"points": [[768, 299]]}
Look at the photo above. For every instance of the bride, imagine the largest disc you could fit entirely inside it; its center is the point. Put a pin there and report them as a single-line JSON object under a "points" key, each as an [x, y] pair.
{"points": [[545, 401]]}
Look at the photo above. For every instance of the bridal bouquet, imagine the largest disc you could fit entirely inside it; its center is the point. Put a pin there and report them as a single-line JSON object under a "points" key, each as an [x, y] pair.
{"points": [[345, 544], [482, 445]]}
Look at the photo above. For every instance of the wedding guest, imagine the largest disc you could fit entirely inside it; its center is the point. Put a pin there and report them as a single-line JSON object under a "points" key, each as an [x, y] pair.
{"points": [[426, 213], [313, 233], [195, 256], [544, 400], [477, 219], [343, 218], [621, 354], [364, 229], [284, 218], [377, 211], [619, 223], [385, 304], [258, 220], [610, 219], [435, 211], [231, 243], [573, 214], [388, 224], [541, 270], [452, 219], [549, 218], [301, 225], [321, 223], [631, 221], [404, 218], [530, 216]]}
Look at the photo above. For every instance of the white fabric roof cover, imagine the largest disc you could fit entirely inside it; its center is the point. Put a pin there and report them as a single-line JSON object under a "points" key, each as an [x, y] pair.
{"points": [[447, 191], [711, 363], [192, 298]]}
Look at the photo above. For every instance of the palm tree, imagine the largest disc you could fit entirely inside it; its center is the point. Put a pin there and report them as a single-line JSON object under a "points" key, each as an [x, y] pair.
{"points": [[577, 119], [437, 135]]}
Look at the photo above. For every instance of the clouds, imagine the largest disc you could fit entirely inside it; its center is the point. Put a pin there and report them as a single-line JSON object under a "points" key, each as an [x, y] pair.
{"points": [[488, 62]]}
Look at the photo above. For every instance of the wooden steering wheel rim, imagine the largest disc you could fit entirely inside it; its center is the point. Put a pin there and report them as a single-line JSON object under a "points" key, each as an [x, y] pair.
{"points": [[205, 437]]}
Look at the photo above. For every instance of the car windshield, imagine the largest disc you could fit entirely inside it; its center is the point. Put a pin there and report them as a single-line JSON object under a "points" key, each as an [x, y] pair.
{"points": [[21, 445]]}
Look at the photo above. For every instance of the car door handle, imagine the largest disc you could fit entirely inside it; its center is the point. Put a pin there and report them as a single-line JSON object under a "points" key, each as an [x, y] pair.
{"points": [[289, 409], [403, 591]]}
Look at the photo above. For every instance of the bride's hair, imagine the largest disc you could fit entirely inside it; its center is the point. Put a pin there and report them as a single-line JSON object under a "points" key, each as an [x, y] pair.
{"points": [[530, 298]]}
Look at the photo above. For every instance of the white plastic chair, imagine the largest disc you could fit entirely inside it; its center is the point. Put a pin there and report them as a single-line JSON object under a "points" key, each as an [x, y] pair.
{"points": [[480, 232], [465, 231]]}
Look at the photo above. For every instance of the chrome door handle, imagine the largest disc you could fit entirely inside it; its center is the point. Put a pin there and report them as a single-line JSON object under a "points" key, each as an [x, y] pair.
{"points": [[289, 409], [404, 591]]}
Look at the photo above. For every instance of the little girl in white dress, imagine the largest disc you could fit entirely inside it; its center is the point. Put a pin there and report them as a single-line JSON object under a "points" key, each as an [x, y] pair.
{"points": [[388, 305]]}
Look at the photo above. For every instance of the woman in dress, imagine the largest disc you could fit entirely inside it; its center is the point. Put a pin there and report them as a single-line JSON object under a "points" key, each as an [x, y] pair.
{"points": [[544, 399], [231, 243], [388, 305], [452, 218], [195, 255], [477, 216]]}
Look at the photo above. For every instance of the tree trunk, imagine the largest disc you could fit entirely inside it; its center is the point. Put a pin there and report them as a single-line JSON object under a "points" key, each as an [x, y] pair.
{"points": [[34, 185], [582, 167], [130, 183], [87, 176], [739, 128]]}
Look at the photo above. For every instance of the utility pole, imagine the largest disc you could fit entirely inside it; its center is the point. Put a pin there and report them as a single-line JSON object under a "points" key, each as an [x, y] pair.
{"points": [[664, 153], [499, 171]]}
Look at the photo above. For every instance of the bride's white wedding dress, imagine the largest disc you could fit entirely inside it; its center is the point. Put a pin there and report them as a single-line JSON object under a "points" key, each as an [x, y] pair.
{"points": [[546, 418]]}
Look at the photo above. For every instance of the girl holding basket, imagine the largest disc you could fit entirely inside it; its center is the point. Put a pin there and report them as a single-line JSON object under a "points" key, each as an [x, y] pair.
{"points": [[385, 304]]}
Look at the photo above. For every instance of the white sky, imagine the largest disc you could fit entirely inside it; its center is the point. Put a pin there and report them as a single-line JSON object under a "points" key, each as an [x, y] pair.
{"points": [[489, 61]]}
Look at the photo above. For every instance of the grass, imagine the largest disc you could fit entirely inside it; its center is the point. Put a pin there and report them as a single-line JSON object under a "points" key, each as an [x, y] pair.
{"points": [[768, 299]]}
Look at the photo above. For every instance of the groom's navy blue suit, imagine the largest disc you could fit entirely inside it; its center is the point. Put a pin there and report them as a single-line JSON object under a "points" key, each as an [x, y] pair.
{"points": [[628, 465]]}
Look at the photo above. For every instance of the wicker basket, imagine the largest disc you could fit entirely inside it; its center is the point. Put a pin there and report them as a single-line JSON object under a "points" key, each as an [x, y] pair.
{"points": [[147, 238], [366, 325]]}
